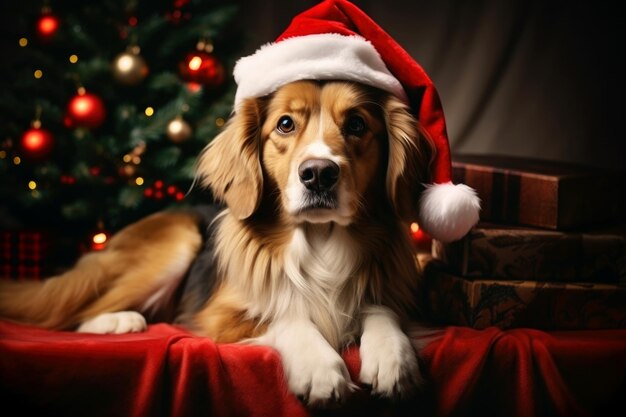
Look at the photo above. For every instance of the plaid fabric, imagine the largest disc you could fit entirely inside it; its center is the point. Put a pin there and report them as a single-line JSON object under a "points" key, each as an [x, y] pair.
{"points": [[23, 254]]}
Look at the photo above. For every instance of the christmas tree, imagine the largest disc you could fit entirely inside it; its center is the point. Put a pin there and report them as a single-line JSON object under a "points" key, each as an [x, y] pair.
{"points": [[105, 107]]}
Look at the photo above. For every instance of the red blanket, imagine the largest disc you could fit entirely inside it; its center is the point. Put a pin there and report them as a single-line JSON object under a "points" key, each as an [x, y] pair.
{"points": [[166, 371]]}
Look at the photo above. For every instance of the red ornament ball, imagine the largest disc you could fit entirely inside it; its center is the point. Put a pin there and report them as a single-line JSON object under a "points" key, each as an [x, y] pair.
{"points": [[86, 110], [202, 68], [37, 143], [68, 179], [47, 26], [420, 239]]}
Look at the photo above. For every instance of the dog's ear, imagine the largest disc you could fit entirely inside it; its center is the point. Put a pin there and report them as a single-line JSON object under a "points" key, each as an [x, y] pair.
{"points": [[410, 156], [230, 165]]}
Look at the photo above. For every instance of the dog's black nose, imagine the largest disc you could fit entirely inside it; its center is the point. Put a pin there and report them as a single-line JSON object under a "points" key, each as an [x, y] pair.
{"points": [[319, 174]]}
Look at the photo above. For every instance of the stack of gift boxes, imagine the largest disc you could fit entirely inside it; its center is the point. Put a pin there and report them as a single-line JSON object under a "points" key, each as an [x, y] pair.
{"points": [[549, 251]]}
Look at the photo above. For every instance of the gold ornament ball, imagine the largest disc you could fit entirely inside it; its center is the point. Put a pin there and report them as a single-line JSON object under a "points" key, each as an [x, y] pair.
{"points": [[129, 68], [178, 130]]}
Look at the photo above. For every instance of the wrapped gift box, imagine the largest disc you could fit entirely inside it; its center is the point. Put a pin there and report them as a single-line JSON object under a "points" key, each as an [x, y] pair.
{"points": [[521, 253], [521, 191], [454, 300]]}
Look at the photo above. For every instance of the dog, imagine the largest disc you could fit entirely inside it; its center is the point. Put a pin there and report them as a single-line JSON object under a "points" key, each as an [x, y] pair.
{"points": [[309, 252]]}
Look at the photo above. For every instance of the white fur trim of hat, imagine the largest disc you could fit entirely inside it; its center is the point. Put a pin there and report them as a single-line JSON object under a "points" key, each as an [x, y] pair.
{"points": [[313, 57]]}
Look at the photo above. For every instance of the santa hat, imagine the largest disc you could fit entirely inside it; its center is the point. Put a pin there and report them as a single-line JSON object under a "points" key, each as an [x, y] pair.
{"points": [[336, 40]]}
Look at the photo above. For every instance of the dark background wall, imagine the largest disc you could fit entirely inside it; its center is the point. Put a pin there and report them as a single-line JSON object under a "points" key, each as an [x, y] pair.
{"points": [[528, 78]]}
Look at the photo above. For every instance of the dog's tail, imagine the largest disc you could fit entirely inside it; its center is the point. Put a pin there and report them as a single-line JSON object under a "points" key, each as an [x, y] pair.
{"points": [[54, 302], [137, 262]]}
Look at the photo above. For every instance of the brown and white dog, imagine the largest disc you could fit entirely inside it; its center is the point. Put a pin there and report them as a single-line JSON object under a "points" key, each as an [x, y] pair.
{"points": [[310, 253], [320, 167]]}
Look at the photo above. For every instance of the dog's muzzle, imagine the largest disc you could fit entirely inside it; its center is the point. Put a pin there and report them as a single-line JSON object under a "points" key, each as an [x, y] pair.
{"points": [[320, 177]]}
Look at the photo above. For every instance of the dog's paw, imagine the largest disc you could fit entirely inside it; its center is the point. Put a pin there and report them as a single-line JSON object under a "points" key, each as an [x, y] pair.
{"points": [[319, 380], [116, 323], [389, 365]]}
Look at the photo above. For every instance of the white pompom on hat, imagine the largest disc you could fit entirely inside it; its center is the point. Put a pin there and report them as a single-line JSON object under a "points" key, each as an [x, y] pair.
{"points": [[335, 40]]}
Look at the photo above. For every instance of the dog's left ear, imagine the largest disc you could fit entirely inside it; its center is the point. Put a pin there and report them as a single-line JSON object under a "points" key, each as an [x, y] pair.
{"points": [[410, 156], [230, 165]]}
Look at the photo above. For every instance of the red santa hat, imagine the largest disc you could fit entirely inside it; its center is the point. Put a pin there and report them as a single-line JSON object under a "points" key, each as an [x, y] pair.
{"points": [[336, 40]]}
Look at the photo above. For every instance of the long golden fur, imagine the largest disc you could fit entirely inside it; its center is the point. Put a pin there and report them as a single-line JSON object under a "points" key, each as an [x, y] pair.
{"points": [[298, 266]]}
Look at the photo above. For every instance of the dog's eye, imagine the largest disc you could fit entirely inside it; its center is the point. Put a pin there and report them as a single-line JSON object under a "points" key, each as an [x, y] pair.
{"points": [[355, 125], [285, 125]]}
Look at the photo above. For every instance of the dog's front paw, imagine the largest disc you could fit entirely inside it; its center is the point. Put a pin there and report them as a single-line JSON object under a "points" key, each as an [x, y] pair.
{"points": [[116, 323], [320, 379], [389, 365]]}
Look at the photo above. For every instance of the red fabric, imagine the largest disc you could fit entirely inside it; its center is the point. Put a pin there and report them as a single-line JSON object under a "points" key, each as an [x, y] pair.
{"points": [[343, 17], [525, 372], [166, 371]]}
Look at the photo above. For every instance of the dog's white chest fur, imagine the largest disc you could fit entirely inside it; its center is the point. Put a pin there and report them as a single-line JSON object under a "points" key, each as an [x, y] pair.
{"points": [[321, 256], [320, 264]]}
